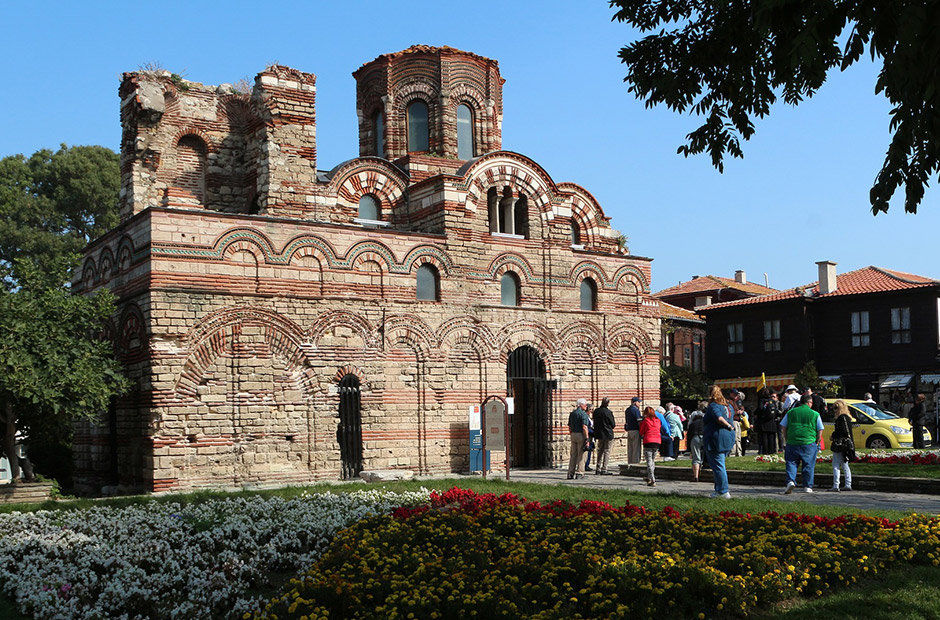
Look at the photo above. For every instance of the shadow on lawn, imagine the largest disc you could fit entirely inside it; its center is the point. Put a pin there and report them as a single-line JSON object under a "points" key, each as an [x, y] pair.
{"points": [[910, 593]]}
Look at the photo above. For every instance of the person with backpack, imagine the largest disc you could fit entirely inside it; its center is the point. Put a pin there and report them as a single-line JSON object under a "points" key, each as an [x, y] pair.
{"points": [[719, 438], [675, 431], [651, 434], [843, 447], [695, 438], [633, 418]]}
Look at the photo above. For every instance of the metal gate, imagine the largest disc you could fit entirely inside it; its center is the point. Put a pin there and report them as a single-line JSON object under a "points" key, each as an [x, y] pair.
{"points": [[531, 424], [349, 431]]}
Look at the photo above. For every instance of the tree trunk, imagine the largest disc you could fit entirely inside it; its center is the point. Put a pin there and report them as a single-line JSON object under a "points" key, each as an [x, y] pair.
{"points": [[9, 440]]}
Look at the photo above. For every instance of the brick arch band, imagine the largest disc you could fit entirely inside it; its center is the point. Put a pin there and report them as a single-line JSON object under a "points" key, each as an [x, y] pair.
{"points": [[217, 334]]}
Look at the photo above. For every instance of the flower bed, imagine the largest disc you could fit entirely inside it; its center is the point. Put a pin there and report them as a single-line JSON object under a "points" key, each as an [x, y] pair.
{"points": [[163, 560], [899, 457], [485, 556], [880, 457]]}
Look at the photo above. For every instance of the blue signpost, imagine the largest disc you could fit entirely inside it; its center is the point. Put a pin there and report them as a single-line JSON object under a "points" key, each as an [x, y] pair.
{"points": [[476, 451]]}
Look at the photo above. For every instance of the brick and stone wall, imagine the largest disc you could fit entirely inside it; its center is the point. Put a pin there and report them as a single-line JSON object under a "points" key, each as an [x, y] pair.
{"points": [[239, 317]]}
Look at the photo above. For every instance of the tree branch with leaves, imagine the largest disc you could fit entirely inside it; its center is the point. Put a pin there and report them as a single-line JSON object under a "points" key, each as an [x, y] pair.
{"points": [[730, 61], [54, 367]]}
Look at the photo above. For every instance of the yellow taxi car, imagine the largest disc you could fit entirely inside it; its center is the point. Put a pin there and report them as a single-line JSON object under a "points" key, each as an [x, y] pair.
{"points": [[874, 427]]}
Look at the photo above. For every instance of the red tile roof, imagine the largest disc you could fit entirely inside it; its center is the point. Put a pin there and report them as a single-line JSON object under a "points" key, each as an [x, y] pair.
{"points": [[702, 284], [858, 282], [668, 311]]}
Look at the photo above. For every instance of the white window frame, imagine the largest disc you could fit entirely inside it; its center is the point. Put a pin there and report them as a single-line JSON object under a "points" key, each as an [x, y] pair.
{"points": [[735, 338], [772, 341], [901, 325], [861, 328]]}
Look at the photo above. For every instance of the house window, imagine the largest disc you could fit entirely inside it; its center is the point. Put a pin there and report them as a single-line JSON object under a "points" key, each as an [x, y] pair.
{"points": [[687, 357], [860, 335], [508, 215], [428, 283], [369, 208], [588, 294], [465, 148], [418, 126], [379, 125], [509, 289], [697, 353], [575, 234], [668, 342], [772, 335], [900, 325], [736, 338]]}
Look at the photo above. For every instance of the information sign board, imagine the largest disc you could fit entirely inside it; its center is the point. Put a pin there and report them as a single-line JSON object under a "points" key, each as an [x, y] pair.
{"points": [[494, 414]]}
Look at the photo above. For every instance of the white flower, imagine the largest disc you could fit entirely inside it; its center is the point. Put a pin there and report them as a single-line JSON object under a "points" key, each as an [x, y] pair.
{"points": [[164, 560]]}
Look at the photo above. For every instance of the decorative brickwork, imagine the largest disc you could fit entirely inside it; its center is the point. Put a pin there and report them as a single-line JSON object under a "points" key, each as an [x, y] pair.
{"points": [[249, 287]]}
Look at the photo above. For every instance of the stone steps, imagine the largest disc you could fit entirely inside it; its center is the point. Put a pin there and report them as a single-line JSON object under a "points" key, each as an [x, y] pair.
{"points": [[25, 492]]}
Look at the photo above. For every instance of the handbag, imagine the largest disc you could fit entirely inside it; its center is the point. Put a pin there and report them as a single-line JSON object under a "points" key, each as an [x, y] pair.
{"points": [[840, 444]]}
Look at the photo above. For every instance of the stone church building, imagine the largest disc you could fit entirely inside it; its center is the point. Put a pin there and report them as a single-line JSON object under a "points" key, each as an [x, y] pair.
{"points": [[282, 323]]}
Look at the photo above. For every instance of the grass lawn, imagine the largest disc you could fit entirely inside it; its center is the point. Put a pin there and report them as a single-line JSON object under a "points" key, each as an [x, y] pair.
{"points": [[897, 595]]}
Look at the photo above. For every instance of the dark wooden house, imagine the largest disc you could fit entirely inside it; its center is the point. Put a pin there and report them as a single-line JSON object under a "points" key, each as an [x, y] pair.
{"points": [[877, 330]]}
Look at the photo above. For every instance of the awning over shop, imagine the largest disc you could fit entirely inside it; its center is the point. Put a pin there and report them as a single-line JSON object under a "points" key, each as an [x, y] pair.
{"points": [[930, 378], [754, 382], [896, 381]]}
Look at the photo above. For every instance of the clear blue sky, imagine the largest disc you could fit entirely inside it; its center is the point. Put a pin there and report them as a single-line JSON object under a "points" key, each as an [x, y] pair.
{"points": [[798, 196]]}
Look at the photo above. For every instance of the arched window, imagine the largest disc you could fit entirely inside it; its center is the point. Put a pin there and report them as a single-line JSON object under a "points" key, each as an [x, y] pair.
{"points": [[509, 289], [428, 282], [492, 201], [520, 216], [418, 126], [575, 234], [465, 148], [508, 215], [369, 208], [588, 294], [379, 127]]}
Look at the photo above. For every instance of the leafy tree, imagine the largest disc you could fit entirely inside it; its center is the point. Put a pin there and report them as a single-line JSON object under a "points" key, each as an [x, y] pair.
{"points": [[53, 367], [682, 382], [809, 377], [729, 61], [52, 204]]}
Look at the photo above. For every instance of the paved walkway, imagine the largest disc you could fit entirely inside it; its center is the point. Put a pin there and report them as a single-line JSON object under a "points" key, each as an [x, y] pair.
{"points": [[868, 500]]}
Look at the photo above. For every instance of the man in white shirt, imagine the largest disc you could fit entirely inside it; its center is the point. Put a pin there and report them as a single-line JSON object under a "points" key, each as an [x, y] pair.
{"points": [[791, 398]]}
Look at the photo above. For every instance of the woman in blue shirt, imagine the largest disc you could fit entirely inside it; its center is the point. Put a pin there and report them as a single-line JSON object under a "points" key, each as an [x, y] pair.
{"points": [[719, 438]]}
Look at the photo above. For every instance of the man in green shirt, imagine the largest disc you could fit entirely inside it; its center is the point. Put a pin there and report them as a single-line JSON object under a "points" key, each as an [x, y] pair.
{"points": [[804, 430]]}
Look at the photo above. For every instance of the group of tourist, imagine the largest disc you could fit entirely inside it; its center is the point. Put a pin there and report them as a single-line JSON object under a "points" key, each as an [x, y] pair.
{"points": [[790, 421], [588, 435]]}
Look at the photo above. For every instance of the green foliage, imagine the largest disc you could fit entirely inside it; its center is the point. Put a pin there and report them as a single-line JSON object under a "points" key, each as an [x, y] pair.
{"points": [[808, 376], [729, 62], [53, 367], [682, 383], [179, 82], [52, 204]]}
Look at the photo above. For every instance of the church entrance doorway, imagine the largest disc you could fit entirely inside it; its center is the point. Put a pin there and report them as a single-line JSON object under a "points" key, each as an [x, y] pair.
{"points": [[349, 431], [530, 426]]}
